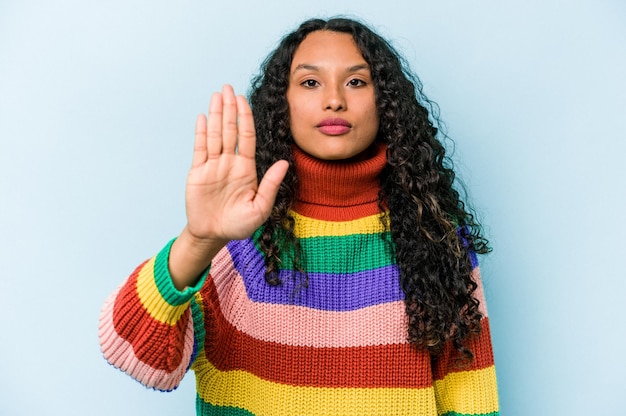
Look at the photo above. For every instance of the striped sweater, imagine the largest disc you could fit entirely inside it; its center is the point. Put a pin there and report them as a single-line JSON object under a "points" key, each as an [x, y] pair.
{"points": [[335, 347]]}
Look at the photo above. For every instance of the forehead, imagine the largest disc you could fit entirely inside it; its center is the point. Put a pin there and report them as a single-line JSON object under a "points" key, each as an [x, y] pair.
{"points": [[328, 48]]}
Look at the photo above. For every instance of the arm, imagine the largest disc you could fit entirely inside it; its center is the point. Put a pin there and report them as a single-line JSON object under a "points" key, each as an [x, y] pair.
{"points": [[470, 389], [146, 326]]}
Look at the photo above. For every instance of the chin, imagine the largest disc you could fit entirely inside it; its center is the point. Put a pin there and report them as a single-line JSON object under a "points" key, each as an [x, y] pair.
{"points": [[335, 151]]}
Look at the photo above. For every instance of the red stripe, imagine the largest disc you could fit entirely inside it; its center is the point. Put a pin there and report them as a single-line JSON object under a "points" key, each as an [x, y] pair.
{"points": [[451, 360], [372, 366], [157, 344], [328, 213]]}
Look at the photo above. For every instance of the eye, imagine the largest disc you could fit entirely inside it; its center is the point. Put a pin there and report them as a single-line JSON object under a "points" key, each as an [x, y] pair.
{"points": [[309, 83], [356, 82]]}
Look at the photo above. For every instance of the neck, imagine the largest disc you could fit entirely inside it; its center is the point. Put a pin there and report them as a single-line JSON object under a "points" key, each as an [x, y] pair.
{"points": [[339, 190]]}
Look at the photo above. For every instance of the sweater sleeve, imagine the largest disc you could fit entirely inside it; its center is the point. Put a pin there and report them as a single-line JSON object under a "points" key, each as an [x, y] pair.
{"points": [[147, 326], [468, 389]]}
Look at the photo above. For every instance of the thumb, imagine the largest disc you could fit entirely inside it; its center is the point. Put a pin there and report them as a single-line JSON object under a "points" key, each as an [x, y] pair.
{"points": [[268, 188]]}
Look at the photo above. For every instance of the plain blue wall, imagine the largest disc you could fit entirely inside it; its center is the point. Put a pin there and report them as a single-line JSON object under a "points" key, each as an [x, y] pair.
{"points": [[97, 108]]}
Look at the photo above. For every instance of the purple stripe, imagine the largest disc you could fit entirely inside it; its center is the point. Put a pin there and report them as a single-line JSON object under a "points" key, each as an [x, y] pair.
{"points": [[462, 232], [325, 291], [473, 259]]}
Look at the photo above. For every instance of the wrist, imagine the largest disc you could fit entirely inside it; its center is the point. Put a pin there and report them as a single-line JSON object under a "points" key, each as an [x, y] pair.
{"points": [[201, 246], [190, 256]]}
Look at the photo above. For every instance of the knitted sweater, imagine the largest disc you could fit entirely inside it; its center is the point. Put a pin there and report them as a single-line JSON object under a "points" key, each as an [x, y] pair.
{"points": [[337, 346]]}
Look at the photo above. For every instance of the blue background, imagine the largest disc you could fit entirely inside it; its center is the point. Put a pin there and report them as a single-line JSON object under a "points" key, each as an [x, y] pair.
{"points": [[97, 108]]}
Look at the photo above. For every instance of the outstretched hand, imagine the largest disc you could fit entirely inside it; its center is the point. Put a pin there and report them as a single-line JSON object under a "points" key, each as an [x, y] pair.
{"points": [[224, 200]]}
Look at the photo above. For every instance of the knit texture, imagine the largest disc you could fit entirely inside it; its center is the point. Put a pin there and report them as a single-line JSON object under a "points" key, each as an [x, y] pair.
{"points": [[335, 346]]}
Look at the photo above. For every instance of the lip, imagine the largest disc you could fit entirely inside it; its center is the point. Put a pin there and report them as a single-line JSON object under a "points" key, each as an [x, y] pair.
{"points": [[334, 126]]}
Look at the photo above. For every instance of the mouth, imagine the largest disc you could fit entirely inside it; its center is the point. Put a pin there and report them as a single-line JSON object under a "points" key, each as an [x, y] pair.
{"points": [[334, 126]]}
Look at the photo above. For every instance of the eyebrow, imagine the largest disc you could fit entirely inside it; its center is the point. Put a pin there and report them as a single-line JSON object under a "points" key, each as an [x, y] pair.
{"points": [[353, 68]]}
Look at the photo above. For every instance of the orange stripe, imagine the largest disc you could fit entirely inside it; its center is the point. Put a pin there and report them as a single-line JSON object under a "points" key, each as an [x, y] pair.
{"points": [[450, 360], [134, 324], [325, 213], [119, 353]]}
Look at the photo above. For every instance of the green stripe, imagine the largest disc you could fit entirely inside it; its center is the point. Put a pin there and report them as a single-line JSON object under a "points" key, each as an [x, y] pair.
{"points": [[203, 408], [470, 414], [164, 283], [358, 252]]}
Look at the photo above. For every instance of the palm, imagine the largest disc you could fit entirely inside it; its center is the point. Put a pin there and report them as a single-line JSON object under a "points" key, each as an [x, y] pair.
{"points": [[223, 198]]}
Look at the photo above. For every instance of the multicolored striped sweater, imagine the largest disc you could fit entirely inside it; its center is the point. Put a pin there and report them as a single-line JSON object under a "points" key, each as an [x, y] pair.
{"points": [[335, 347]]}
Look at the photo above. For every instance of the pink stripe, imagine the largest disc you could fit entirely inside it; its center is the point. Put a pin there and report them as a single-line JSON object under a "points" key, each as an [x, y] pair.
{"points": [[479, 293], [119, 353], [374, 325]]}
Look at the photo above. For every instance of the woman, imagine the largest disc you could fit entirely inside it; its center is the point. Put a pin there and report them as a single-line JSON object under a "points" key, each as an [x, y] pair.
{"points": [[345, 281]]}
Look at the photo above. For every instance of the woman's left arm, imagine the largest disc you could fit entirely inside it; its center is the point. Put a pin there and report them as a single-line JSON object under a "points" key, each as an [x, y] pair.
{"points": [[468, 388]]}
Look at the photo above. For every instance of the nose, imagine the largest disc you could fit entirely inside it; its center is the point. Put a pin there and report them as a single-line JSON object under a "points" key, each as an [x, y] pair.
{"points": [[334, 99]]}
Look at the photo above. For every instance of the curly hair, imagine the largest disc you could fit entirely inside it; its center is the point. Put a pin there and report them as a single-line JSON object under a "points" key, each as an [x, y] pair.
{"points": [[433, 231]]}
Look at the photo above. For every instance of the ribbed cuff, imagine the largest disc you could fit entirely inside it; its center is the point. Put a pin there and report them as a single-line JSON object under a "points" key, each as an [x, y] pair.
{"points": [[164, 282]]}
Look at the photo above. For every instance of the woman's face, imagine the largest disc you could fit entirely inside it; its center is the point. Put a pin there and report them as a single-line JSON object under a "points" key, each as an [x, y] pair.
{"points": [[332, 106]]}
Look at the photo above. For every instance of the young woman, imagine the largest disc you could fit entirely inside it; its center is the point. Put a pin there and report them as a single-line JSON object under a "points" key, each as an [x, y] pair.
{"points": [[345, 281]]}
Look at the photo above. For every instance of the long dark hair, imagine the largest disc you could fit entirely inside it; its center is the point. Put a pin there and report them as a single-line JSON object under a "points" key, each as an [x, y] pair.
{"points": [[433, 230]]}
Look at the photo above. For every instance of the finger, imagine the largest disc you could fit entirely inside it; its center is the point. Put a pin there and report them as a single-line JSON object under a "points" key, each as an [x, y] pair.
{"points": [[247, 136], [199, 146], [214, 127], [268, 188], [229, 120]]}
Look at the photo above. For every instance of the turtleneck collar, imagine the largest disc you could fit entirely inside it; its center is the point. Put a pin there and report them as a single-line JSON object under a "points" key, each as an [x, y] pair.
{"points": [[339, 190]]}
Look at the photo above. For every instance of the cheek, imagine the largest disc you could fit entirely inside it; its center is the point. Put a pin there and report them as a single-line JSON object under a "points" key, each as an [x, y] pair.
{"points": [[375, 120], [372, 113]]}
